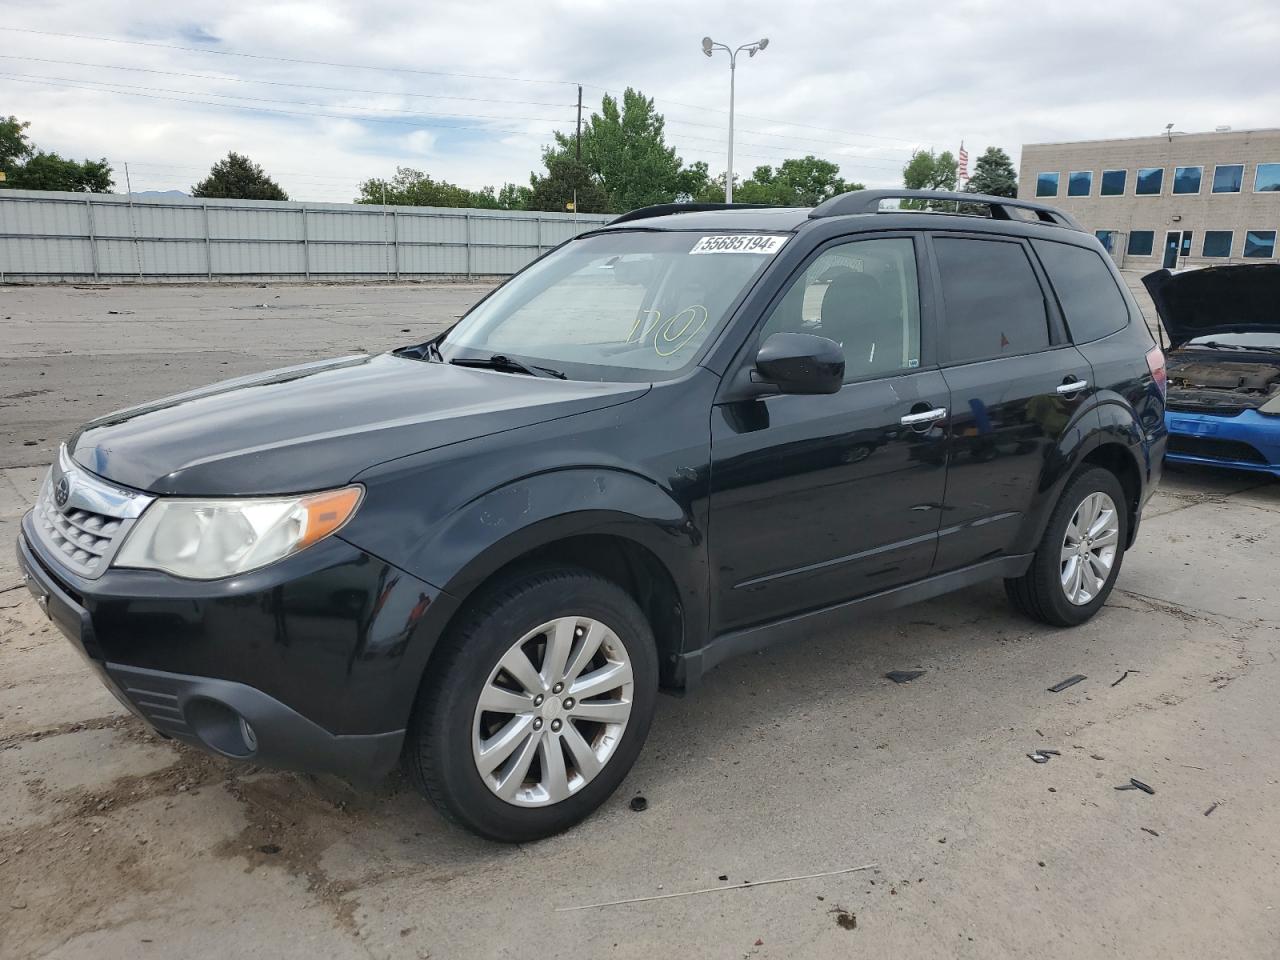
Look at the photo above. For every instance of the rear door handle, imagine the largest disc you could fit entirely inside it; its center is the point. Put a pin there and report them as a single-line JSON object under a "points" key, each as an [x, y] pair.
{"points": [[1075, 386], [923, 417]]}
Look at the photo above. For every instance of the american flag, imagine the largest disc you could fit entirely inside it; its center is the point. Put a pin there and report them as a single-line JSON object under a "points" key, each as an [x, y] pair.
{"points": [[964, 162]]}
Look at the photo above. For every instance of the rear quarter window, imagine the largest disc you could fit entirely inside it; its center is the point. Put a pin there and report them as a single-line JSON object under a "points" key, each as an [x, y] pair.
{"points": [[1091, 302]]}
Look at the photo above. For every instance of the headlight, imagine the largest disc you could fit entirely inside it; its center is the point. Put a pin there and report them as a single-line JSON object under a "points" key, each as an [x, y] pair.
{"points": [[210, 539]]}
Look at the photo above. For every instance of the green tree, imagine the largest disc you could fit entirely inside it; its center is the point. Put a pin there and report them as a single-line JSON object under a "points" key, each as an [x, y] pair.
{"points": [[512, 196], [927, 171], [48, 171], [624, 147], [994, 175], [26, 168], [238, 178], [14, 145], [797, 182], [565, 177], [413, 188]]}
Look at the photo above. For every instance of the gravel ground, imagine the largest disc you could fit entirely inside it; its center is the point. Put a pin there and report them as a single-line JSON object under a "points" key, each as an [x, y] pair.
{"points": [[799, 760]]}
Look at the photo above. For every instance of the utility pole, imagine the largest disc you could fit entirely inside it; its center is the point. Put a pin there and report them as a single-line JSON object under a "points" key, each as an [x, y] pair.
{"points": [[577, 137]]}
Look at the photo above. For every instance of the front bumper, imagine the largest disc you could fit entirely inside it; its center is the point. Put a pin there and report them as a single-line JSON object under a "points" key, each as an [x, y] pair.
{"points": [[1247, 441], [310, 665]]}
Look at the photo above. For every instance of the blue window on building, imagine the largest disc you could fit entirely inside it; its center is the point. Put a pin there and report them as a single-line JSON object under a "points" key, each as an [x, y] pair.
{"points": [[1080, 183], [1217, 243], [1113, 182], [1047, 185], [1260, 243], [1141, 243], [1187, 179], [1228, 177], [1267, 177], [1107, 238], [1150, 181]]}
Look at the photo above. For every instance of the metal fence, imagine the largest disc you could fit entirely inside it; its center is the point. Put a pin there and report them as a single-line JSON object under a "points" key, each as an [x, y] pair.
{"points": [[51, 237]]}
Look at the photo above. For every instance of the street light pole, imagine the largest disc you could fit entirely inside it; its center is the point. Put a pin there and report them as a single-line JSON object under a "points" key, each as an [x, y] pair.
{"points": [[709, 45]]}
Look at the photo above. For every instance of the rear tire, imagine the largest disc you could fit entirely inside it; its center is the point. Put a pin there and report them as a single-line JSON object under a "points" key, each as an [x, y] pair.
{"points": [[1078, 559], [524, 648]]}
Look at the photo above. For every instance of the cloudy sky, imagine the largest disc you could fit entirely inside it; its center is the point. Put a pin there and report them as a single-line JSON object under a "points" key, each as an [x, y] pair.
{"points": [[326, 94]]}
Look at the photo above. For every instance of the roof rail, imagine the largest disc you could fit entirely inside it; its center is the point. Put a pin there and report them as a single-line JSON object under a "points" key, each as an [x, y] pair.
{"points": [[664, 209], [868, 201]]}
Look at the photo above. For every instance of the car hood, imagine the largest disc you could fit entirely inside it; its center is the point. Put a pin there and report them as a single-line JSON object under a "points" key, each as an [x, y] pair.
{"points": [[1230, 299], [317, 425]]}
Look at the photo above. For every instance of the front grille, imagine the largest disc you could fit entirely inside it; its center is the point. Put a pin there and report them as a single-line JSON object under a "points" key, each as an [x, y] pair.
{"points": [[85, 530], [1213, 449], [82, 538]]}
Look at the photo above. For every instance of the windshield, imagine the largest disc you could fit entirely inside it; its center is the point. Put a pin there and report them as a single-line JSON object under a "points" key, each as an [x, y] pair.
{"points": [[626, 305]]}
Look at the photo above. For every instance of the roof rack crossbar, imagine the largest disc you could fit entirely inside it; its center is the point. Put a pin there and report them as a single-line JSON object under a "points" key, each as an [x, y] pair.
{"points": [[665, 209], [868, 201]]}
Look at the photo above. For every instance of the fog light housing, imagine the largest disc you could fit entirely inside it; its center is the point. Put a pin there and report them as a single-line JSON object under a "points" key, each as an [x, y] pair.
{"points": [[221, 728]]}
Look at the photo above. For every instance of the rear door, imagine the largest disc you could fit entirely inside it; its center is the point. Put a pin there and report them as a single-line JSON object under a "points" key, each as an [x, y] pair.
{"points": [[1016, 385]]}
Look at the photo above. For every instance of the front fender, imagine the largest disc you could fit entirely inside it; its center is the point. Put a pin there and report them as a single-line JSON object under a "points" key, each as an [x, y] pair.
{"points": [[511, 521]]}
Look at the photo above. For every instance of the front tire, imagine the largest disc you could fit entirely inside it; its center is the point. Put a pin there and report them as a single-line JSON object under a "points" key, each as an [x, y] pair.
{"points": [[537, 705], [1079, 556]]}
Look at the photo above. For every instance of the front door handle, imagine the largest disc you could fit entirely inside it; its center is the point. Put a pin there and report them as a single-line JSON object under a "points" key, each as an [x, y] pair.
{"points": [[924, 417], [1072, 387]]}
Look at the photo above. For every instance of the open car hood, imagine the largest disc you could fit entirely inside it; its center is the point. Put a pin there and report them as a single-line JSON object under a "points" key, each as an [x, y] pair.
{"points": [[1237, 298]]}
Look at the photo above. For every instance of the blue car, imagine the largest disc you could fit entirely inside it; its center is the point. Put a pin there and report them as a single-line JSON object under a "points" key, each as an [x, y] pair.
{"points": [[1223, 323]]}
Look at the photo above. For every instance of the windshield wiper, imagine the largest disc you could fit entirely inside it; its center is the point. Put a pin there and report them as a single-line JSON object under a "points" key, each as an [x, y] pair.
{"points": [[1215, 345], [499, 361]]}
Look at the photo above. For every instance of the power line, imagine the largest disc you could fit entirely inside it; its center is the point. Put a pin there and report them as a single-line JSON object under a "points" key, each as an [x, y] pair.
{"points": [[272, 110], [260, 56], [440, 73], [282, 83], [299, 103]]}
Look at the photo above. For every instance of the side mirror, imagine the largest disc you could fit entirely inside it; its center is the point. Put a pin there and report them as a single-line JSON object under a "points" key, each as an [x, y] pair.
{"points": [[800, 363]]}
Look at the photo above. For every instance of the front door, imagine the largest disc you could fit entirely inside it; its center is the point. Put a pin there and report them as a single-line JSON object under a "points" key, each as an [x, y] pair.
{"points": [[1172, 240], [819, 499], [1015, 387]]}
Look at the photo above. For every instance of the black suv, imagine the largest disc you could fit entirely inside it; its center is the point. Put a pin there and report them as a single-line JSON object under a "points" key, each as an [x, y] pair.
{"points": [[689, 434]]}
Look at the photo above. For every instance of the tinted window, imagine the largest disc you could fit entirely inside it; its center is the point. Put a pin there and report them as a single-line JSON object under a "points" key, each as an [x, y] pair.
{"points": [[1113, 182], [1141, 243], [1228, 177], [1091, 301], [1047, 185], [1260, 243], [1107, 238], [1187, 179], [994, 305], [863, 295], [1267, 177], [1217, 243], [1080, 183], [1150, 181]]}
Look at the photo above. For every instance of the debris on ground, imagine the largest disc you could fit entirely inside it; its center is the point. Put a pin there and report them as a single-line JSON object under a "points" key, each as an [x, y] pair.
{"points": [[1150, 831], [1211, 809], [1042, 756], [1136, 785], [1122, 676], [903, 676], [737, 886], [639, 804], [1069, 682]]}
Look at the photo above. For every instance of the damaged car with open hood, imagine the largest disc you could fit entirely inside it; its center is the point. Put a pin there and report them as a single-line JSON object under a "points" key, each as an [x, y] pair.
{"points": [[1223, 405]]}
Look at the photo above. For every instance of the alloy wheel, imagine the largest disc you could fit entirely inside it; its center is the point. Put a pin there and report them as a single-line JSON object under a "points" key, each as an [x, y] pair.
{"points": [[552, 711], [1089, 548]]}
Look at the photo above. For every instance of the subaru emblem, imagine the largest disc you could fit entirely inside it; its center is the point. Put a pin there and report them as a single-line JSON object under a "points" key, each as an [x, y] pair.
{"points": [[62, 492]]}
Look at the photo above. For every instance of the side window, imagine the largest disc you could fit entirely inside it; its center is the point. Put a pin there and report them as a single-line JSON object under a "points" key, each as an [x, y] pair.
{"points": [[992, 301], [865, 296], [1091, 302]]}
